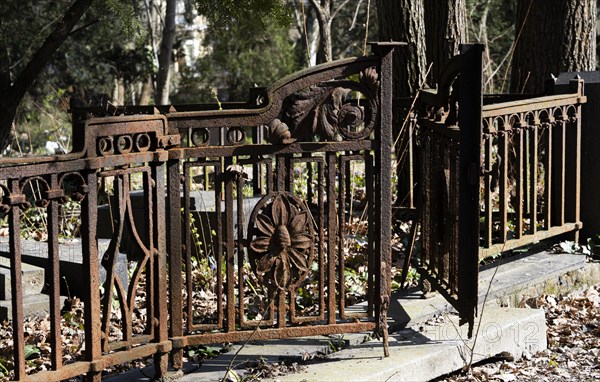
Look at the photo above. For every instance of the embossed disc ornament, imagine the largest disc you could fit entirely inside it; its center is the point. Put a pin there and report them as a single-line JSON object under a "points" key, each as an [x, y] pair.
{"points": [[281, 240]]}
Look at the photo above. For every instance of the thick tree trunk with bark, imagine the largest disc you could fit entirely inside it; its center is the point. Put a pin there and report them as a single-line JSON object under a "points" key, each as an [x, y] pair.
{"points": [[164, 56], [12, 90], [402, 20], [445, 30], [552, 36]]}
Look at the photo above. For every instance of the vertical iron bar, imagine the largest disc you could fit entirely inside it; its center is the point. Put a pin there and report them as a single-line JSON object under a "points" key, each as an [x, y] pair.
{"points": [[471, 103], [559, 211], [411, 163], [54, 269], [384, 191], [281, 173], [503, 180], [256, 170], [488, 209], [331, 236], [526, 167], [343, 187], [309, 175], [321, 225], [160, 266], [230, 255], [370, 233], [454, 198], [219, 268], [240, 245], [548, 178], [520, 164], [573, 161], [533, 171], [175, 258], [149, 213], [16, 283], [89, 249], [189, 243]]}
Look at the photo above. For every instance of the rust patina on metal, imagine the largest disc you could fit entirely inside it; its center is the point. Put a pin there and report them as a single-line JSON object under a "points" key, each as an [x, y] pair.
{"points": [[493, 174], [314, 119]]}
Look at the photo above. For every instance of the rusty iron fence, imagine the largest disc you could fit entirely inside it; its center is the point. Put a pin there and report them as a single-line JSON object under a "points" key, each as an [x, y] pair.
{"points": [[497, 173], [207, 239]]}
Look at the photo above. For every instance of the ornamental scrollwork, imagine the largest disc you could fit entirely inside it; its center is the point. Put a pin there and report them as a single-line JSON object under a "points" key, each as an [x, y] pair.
{"points": [[328, 112], [281, 241]]}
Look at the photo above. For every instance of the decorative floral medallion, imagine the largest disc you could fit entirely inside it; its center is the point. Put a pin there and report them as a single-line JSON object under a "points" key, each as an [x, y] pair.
{"points": [[281, 240]]}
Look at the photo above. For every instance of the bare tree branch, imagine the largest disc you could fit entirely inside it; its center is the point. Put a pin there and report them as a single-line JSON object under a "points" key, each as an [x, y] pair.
{"points": [[355, 15], [338, 10], [51, 44], [5, 79], [13, 94]]}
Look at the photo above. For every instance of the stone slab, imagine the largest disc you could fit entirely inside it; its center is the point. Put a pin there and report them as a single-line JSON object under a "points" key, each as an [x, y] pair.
{"points": [[32, 276], [35, 305], [434, 351], [507, 278], [71, 258]]}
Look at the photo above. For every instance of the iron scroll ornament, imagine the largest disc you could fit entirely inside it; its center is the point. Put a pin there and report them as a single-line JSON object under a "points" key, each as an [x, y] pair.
{"points": [[281, 240], [325, 111]]}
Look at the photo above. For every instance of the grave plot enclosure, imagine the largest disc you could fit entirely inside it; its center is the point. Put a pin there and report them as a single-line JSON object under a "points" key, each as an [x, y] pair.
{"points": [[498, 172], [209, 223]]}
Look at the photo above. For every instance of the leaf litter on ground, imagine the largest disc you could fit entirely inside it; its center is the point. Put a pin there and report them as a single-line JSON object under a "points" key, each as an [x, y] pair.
{"points": [[573, 353]]}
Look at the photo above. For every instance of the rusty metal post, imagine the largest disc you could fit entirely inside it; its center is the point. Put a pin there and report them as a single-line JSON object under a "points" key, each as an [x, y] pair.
{"points": [[160, 267], [384, 186], [89, 248], [471, 103], [173, 214], [16, 284], [54, 269]]}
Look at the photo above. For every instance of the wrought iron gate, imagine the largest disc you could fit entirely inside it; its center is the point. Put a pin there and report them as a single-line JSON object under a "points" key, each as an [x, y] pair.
{"points": [[498, 172]]}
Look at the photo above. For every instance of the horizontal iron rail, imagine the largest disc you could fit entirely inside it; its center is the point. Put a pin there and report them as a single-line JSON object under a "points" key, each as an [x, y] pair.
{"points": [[531, 104]]}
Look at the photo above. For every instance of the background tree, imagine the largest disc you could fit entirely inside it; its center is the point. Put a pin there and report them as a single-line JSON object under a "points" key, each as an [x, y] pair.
{"points": [[445, 30], [237, 61], [403, 20], [552, 36], [164, 56], [14, 85], [492, 23]]}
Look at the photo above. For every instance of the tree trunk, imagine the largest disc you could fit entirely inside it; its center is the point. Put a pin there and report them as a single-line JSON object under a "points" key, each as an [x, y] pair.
{"points": [[403, 20], [552, 36], [146, 92], [445, 30], [164, 57], [323, 11], [13, 92]]}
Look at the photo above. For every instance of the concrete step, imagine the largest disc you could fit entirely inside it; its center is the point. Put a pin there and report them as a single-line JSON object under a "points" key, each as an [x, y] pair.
{"points": [[434, 351], [33, 280], [508, 282]]}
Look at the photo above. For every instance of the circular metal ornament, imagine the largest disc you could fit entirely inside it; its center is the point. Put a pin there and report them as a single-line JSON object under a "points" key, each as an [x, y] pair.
{"points": [[105, 146], [281, 240], [200, 137], [142, 142]]}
